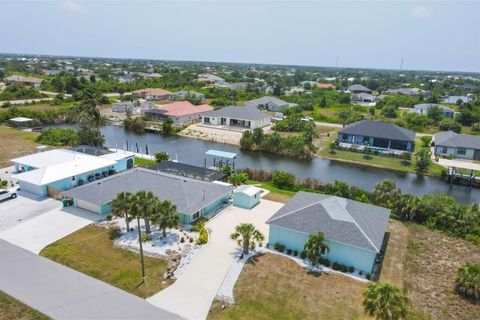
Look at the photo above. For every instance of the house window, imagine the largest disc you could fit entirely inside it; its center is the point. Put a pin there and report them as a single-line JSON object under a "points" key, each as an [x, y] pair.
{"points": [[196, 215], [444, 150], [461, 151], [73, 178]]}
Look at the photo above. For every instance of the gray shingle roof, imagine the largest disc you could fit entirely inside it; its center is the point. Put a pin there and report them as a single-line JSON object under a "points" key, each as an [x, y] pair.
{"points": [[379, 129], [358, 88], [452, 139], [267, 100], [341, 220], [188, 195], [236, 112]]}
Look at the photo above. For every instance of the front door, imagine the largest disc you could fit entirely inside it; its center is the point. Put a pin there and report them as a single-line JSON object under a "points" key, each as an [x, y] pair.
{"points": [[476, 155]]}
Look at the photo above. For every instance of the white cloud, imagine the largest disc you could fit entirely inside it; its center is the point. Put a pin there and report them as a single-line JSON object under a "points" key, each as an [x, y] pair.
{"points": [[420, 11], [74, 7]]}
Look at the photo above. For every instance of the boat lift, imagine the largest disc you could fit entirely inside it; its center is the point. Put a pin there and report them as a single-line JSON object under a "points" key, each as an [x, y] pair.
{"points": [[220, 159]]}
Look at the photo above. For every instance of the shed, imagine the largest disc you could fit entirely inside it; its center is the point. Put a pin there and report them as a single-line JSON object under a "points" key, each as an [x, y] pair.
{"points": [[246, 196]]}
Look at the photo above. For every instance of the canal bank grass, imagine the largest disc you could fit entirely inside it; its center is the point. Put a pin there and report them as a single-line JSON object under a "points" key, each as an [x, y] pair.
{"points": [[11, 308], [40, 107], [15, 143], [90, 251], [275, 194], [275, 287], [142, 162]]}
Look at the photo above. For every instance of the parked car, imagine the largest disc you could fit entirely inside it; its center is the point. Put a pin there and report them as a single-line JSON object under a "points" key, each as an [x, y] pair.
{"points": [[8, 194], [307, 119]]}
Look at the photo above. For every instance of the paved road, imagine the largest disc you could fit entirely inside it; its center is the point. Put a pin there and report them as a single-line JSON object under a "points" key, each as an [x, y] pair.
{"points": [[63, 293], [192, 294]]}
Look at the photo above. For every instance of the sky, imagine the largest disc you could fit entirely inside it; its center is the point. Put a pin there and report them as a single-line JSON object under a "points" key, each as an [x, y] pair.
{"points": [[430, 35]]}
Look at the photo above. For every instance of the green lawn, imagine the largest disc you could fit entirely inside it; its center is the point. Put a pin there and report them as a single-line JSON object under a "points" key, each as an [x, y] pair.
{"points": [[10, 308], [276, 194], [141, 162], [90, 251], [15, 143]]}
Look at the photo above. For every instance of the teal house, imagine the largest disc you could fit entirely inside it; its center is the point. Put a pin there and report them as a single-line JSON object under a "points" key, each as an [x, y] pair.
{"points": [[354, 231], [50, 172], [246, 196], [193, 198]]}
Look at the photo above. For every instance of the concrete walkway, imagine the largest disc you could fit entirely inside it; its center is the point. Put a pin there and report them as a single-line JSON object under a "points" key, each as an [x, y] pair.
{"points": [[192, 294], [63, 293]]}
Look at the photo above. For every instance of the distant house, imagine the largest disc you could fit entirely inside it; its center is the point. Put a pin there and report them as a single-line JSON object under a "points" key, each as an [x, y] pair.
{"points": [[384, 137], [27, 81], [468, 86], [181, 112], [358, 88], [152, 94], [455, 99], [132, 106], [311, 83], [364, 98], [181, 95], [296, 91], [353, 231], [325, 86], [128, 78], [422, 108], [50, 72], [237, 85], [411, 92], [210, 78], [463, 146], [193, 198], [270, 103], [234, 116], [49, 172]]}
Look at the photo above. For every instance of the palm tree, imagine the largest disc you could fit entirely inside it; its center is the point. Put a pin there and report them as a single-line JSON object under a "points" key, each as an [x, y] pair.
{"points": [[246, 236], [121, 207], [315, 247], [385, 301], [407, 207], [166, 216], [386, 193], [147, 203], [468, 281]]}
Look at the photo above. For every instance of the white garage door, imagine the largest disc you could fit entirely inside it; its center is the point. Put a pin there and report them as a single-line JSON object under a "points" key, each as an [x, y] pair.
{"points": [[88, 206], [32, 188]]}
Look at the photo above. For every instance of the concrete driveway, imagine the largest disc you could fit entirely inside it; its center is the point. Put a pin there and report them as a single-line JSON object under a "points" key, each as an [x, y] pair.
{"points": [[192, 294], [48, 227], [63, 293], [26, 206]]}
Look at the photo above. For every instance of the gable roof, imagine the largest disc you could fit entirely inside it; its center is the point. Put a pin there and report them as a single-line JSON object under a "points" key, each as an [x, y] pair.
{"points": [[249, 190], [237, 112], [183, 108], [456, 140], [189, 195], [341, 220], [268, 100], [379, 129], [358, 87]]}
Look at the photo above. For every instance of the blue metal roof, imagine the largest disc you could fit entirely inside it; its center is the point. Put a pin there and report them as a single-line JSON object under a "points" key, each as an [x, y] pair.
{"points": [[222, 154]]}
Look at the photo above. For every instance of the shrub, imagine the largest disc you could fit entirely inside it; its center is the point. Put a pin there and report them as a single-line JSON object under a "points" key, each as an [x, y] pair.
{"points": [[295, 253], [146, 237], [203, 238], [368, 276], [279, 247], [336, 266], [182, 240], [303, 255], [289, 251], [282, 179], [58, 137], [190, 239], [324, 261], [109, 217], [351, 269], [114, 233]]}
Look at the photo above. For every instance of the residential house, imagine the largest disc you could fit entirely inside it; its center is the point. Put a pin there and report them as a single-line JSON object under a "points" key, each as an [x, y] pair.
{"points": [[325, 86], [181, 112], [27, 81], [358, 88], [152, 94], [237, 85], [311, 83], [384, 137], [134, 107], [193, 198], [181, 95], [463, 146], [49, 172], [210, 78], [234, 116], [270, 103], [353, 231], [296, 91], [422, 108], [456, 99], [127, 78], [364, 99], [412, 92]]}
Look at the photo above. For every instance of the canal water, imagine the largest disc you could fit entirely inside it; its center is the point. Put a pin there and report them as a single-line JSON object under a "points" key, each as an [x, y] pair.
{"points": [[192, 151]]}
